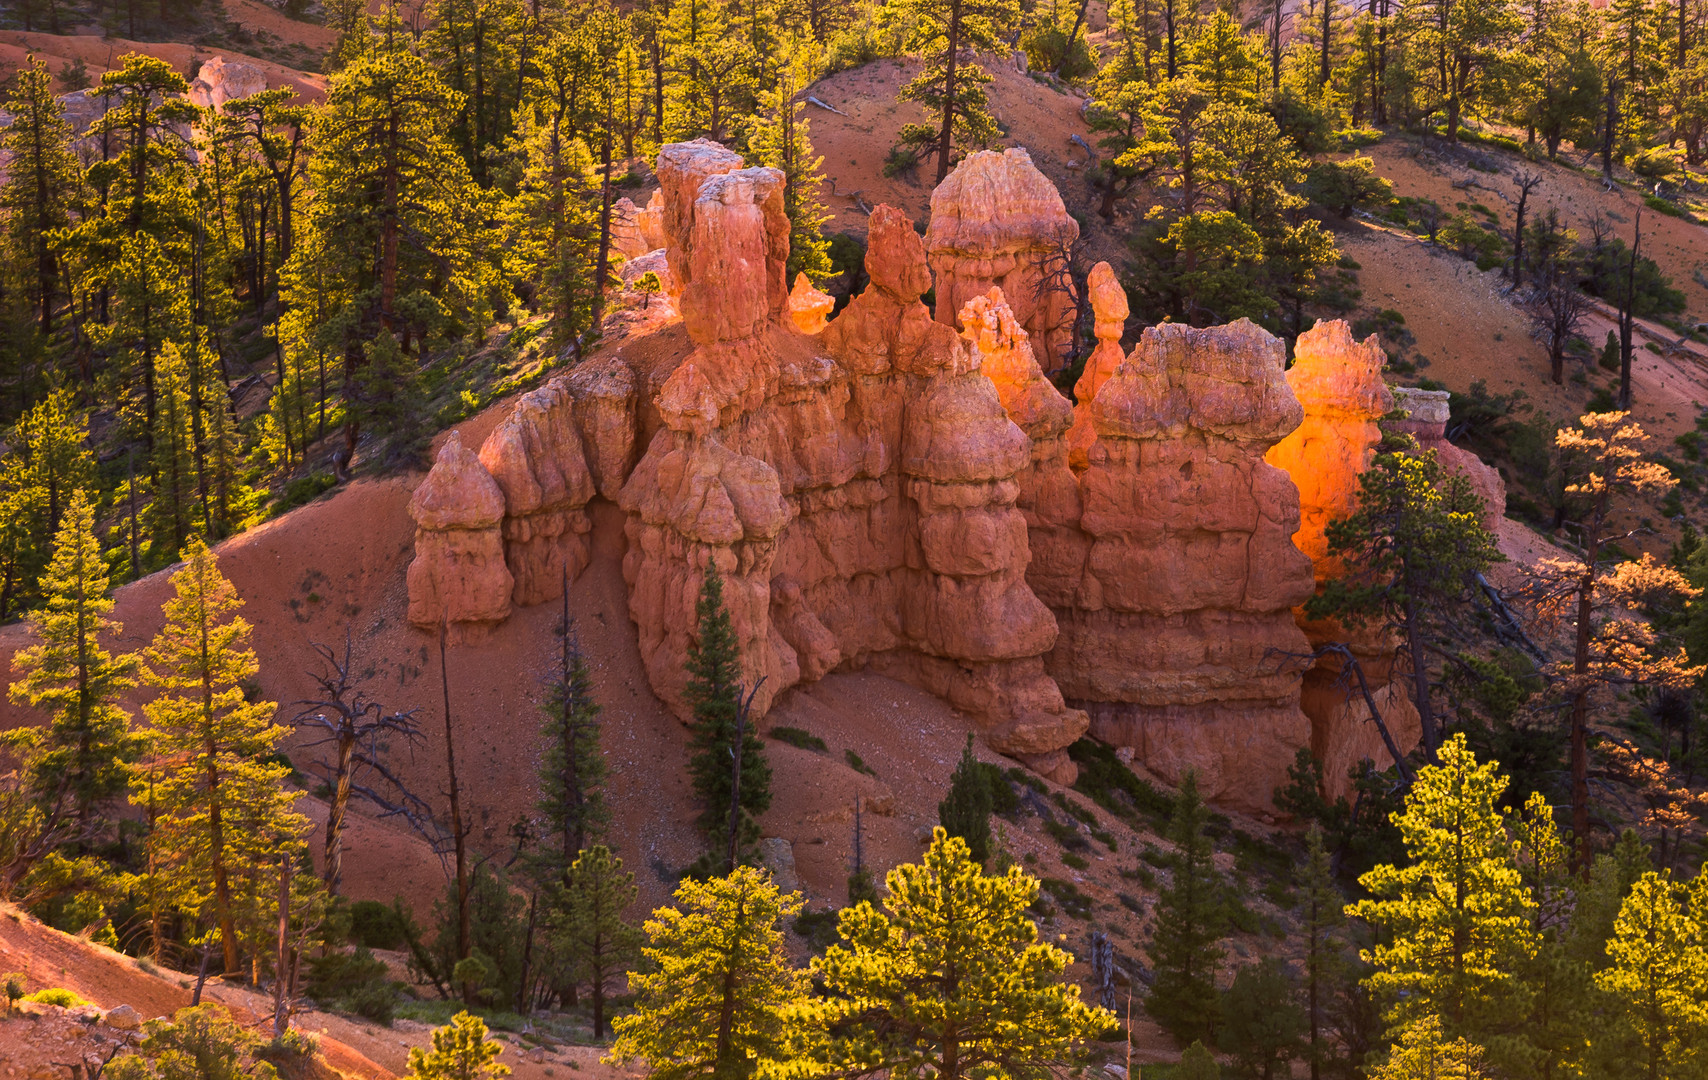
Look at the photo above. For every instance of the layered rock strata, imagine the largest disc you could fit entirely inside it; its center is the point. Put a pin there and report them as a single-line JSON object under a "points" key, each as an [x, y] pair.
{"points": [[879, 490], [997, 220], [1177, 633]]}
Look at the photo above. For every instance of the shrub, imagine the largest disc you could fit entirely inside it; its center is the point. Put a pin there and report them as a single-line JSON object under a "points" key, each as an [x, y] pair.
{"points": [[1344, 186], [55, 995], [799, 738], [13, 982], [354, 982], [1047, 48], [377, 926], [857, 763], [1074, 903], [1066, 835]]}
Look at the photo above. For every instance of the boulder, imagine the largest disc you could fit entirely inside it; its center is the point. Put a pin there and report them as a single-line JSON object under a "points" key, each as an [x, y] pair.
{"points": [[122, 1018]]}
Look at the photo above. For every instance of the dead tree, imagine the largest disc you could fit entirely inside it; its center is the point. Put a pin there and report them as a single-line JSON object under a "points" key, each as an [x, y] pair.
{"points": [[1059, 271], [1526, 182], [355, 726]]}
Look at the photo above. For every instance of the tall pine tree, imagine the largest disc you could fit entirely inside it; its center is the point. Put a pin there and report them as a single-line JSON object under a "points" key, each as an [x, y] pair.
{"points": [[588, 925], [80, 756], [1189, 925], [572, 767], [714, 692], [966, 811], [215, 783]]}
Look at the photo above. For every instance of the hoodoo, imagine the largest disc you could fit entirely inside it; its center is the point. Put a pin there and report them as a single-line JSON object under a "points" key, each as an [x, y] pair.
{"points": [[881, 491]]}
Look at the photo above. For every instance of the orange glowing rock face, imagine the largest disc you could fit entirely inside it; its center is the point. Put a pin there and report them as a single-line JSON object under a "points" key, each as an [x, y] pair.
{"points": [[809, 309], [1339, 383], [1109, 308]]}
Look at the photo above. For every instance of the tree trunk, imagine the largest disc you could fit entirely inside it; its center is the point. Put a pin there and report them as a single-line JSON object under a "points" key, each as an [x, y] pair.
{"points": [[458, 835], [946, 137], [1627, 316], [334, 848]]}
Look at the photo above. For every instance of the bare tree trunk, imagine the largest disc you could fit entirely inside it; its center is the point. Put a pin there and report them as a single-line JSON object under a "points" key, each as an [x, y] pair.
{"points": [[281, 999], [458, 836]]}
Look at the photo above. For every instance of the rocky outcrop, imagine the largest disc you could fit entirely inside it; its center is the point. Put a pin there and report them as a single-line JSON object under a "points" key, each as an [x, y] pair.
{"points": [[882, 491], [1109, 311], [1174, 632], [219, 80], [459, 573], [1426, 421], [1338, 382], [636, 231], [535, 456], [809, 309], [997, 220]]}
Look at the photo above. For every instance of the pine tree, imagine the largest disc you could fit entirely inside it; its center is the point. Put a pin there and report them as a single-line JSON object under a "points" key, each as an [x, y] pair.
{"points": [[174, 463], [78, 761], [1602, 459], [966, 811], [42, 185], [1423, 1052], [707, 63], [1262, 1024], [1189, 925], [715, 1001], [150, 309], [1320, 915], [47, 463], [461, 1051], [145, 186], [1458, 918], [1413, 549], [214, 785], [950, 979], [949, 88], [588, 925], [554, 218], [572, 768], [780, 139], [714, 693], [1197, 1063], [1658, 977], [398, 232]]}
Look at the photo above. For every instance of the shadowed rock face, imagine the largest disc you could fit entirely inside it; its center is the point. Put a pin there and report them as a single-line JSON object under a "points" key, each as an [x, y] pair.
{"points": [[884, 491]]}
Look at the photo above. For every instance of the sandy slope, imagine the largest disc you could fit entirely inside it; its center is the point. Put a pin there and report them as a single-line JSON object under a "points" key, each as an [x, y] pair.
{"points": [[101, 55]]}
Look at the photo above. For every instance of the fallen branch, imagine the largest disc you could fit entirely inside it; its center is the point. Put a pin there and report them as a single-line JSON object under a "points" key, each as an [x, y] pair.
{"points": [[827, 108], [1090, 154], [1350, 665], [1511, 619]]}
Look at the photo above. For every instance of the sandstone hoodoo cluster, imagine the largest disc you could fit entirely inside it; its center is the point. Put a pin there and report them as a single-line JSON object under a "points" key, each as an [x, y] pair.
{"points": [[912, 494]]}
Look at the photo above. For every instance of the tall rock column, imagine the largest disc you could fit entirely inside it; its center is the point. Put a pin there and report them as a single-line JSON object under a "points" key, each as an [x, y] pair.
{"points": [[1338, 382], [997, 220], [1176, 641], [693, 500]]}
